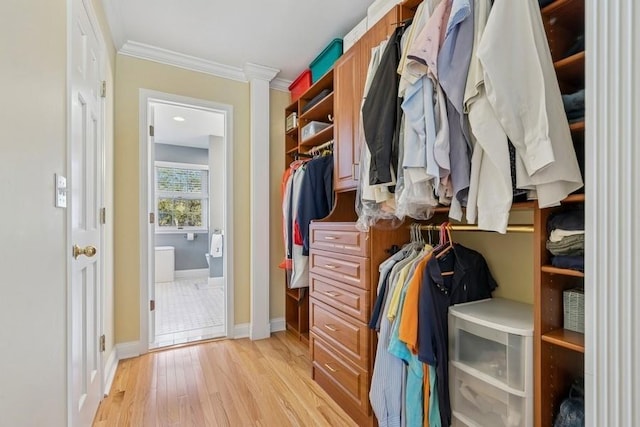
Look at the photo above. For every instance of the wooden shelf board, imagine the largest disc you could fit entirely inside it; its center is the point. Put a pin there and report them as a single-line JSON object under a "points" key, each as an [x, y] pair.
{"points": [[293, 107], [323, 82], [323, 136], [566, 339], [562, 271], [574, 198], [321, 111], [293, 132], [570, 62], [577, 126], [514, 207], [411, 4], [292, 151], [564, 8]]}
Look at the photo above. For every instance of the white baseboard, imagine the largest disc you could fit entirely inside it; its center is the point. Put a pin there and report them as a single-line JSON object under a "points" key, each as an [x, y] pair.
{"points": [[110, 368], [278, 324], [241, 330], [127, 350], [188, 274]]}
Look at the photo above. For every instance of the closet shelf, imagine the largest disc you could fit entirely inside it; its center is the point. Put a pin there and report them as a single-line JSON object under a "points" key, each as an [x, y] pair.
{"points": [[411, 4], [293, 132], [574, 198], [571, 68], [565, 12], [519, 206], [562, 271], [293, 150], [577, 126], [566, 339], [323, 136], [321, 111]]}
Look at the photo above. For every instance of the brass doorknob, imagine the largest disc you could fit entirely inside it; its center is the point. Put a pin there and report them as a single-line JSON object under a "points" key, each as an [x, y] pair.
{"points": [[88, 251]]}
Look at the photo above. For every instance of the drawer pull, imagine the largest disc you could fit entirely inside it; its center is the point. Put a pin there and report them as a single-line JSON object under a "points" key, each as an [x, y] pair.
{"points": [[331, 368], [330, 266], [330, 327], [330, 238], [331, 294]]}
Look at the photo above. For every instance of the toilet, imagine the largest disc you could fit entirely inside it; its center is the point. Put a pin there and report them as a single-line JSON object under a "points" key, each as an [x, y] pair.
{"points": [[165, 264]]}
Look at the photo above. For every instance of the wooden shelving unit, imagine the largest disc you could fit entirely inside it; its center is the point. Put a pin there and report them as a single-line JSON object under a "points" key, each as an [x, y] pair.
{"points": [[559, 353], [297, 300]]}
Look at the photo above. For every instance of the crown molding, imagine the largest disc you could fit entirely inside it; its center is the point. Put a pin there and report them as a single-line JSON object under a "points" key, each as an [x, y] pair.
{"points": [[114, 19], [259, 72], [280, 84], [176, 59]]}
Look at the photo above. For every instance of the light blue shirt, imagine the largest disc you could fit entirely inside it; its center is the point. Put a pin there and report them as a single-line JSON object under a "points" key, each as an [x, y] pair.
{"points": [[415, 374], [453, 68]]}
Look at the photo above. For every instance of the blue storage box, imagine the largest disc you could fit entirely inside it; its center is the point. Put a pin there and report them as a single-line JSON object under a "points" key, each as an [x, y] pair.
{"points": [[326, 59]]}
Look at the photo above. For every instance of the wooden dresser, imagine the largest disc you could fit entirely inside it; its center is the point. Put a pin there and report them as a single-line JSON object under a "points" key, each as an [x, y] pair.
{"points": [[343, 266]]}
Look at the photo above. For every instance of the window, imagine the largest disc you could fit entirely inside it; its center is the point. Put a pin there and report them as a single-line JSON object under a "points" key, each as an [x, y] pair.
{"points": [[182, 195]]}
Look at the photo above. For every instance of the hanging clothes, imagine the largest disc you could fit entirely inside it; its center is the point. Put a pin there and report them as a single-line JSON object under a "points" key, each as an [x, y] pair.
{"points": [[316, 196], [471, 280], [381, 114], [523, 90]]}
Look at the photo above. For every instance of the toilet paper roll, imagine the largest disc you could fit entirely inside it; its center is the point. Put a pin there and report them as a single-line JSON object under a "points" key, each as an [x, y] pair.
{"points": [[190, 236]]}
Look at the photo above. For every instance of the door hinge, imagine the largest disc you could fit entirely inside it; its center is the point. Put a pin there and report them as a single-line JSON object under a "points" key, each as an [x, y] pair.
{"points": [[102, 343], [103, 216], [152, 305], [152, 218], [103, 89], [151, 130]]}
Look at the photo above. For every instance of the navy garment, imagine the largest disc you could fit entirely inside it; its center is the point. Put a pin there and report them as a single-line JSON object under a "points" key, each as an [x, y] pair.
{"points": [[566, 220], [381, 113], [572, 262], [316, 195], [471, 281]]}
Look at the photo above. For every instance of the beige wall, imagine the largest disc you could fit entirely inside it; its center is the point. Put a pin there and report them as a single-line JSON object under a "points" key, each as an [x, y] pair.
{"points": [[131, 75], [279, 100], [509, 256], [34, 147]]}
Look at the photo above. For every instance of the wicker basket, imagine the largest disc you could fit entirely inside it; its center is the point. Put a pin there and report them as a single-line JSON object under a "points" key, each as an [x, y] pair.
{"points": [[573, 302]]}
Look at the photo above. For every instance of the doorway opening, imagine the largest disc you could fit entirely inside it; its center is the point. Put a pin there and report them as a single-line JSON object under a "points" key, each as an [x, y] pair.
{"points": [[187, 198]]}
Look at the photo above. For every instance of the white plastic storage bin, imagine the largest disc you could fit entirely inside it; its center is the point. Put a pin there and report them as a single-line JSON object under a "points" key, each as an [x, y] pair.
{"points": [[378, 9], [312, 128], [493, 339], [481, 404], [354, 35], [165, 263]]}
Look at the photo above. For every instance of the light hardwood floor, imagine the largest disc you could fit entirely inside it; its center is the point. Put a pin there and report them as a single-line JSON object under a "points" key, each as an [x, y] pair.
{"points": [[222, 383]]}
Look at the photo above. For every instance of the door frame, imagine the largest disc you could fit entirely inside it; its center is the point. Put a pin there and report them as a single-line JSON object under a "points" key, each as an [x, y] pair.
{"points": [[100, 200], [146, 97]]}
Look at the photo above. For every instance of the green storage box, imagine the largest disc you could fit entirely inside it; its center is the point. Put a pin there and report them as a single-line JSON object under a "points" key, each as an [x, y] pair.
{"points": [[326, 59]]}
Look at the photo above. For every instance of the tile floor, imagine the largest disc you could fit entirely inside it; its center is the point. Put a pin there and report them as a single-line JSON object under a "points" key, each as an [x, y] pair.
{"points": [[189, 309]]}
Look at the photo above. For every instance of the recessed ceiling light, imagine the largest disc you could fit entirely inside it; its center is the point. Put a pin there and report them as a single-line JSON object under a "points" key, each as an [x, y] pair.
{"points": [[178, 119]]}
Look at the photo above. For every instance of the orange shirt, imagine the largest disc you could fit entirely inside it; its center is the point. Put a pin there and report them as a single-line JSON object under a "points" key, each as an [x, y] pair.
{"points": [[408, 330]]}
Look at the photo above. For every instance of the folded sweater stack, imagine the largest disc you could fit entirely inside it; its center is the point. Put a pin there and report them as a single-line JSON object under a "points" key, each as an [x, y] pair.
{"points": [[566, 239]]}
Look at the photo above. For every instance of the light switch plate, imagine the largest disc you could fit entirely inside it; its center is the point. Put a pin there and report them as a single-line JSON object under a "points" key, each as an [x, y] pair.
{"points": [[61, 191]]}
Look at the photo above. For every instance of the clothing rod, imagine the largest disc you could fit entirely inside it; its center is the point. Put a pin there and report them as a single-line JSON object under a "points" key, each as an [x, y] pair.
{"points": [[524, 228], [320, 147]]}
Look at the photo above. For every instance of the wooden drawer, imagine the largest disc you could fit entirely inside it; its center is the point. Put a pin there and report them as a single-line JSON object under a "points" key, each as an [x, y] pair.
{"points": [[339, 237], [348, 335], [346, 383], [348, 299], [348, 269]]}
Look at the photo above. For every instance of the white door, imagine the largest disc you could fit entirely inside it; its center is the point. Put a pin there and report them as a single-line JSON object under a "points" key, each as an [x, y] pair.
{"points": [[151, 209], [85, 183]]}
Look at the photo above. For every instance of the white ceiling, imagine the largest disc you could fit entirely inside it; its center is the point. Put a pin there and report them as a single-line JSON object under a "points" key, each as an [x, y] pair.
{"points": [[282, 34], [194, 131]]}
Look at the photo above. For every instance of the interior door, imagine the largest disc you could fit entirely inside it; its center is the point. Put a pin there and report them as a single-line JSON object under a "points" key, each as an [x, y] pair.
{"points": [[85, 290], [151, 208]]}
